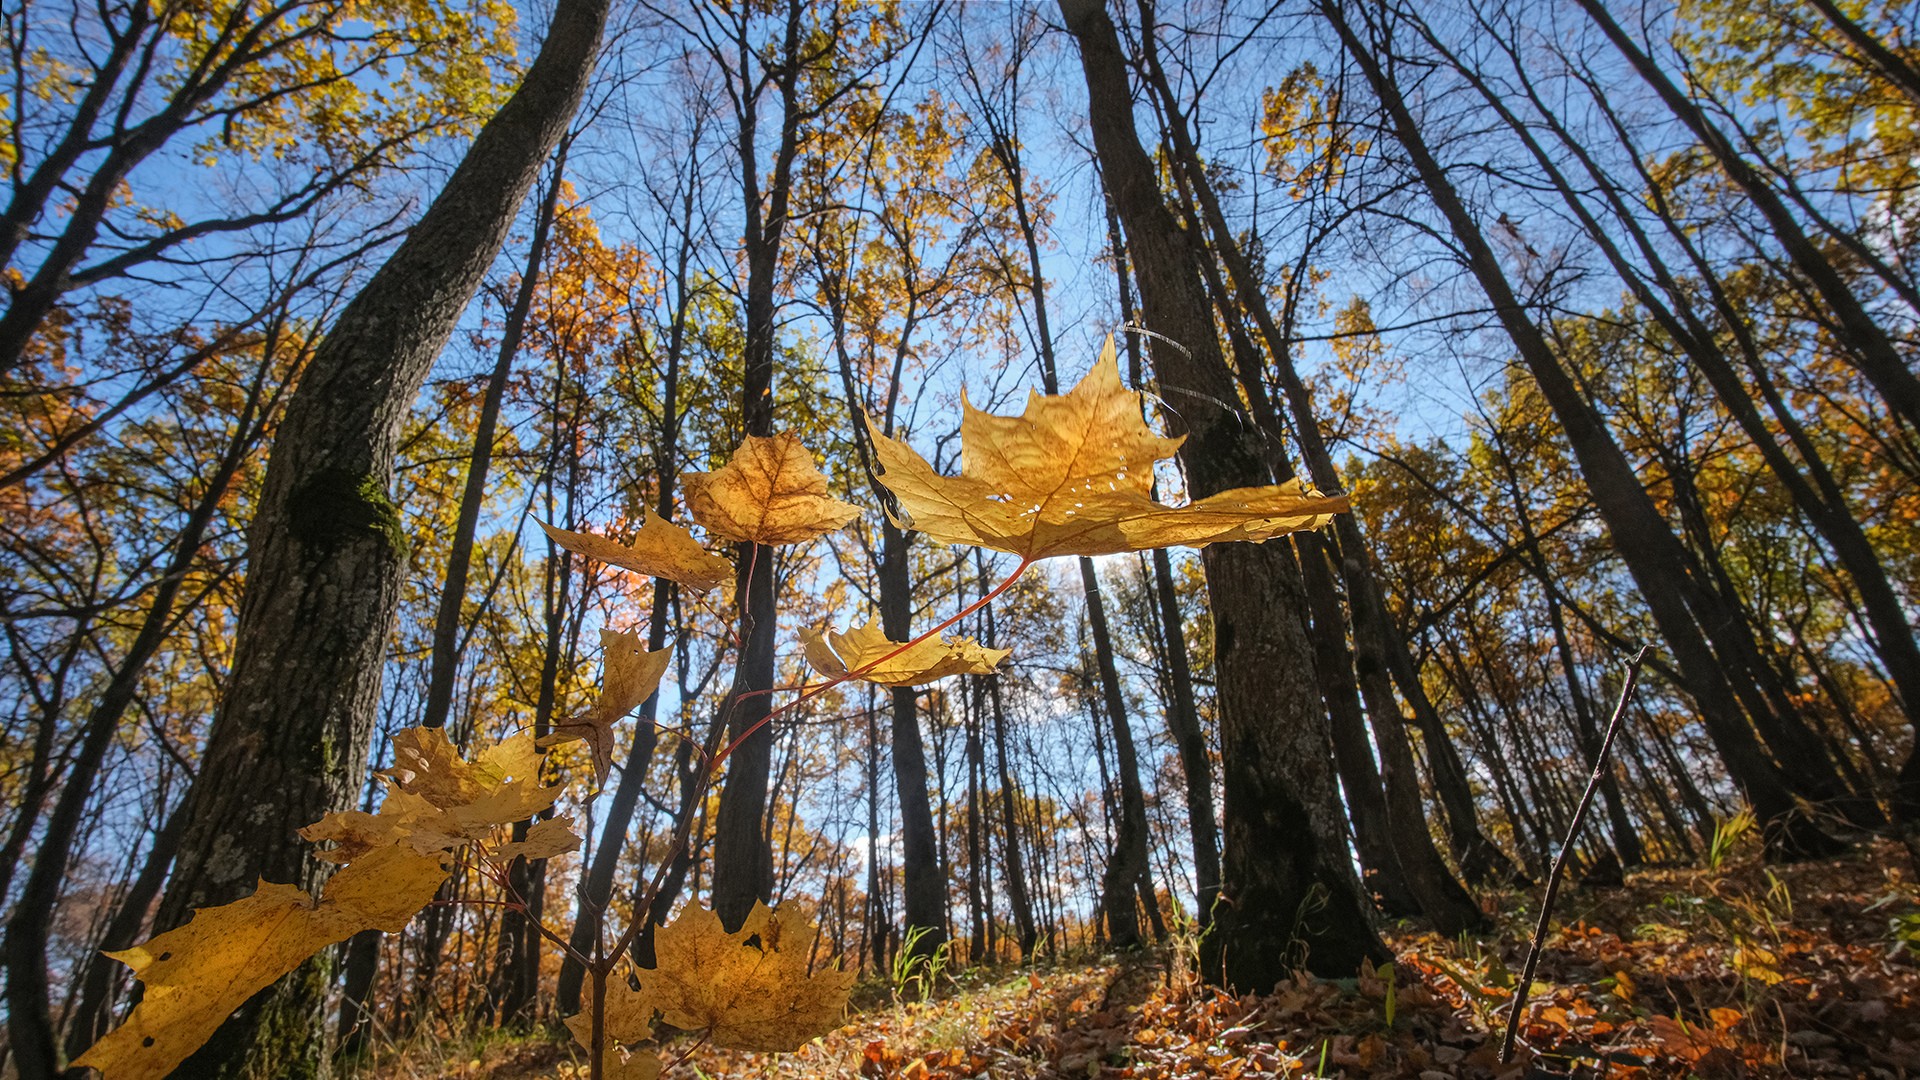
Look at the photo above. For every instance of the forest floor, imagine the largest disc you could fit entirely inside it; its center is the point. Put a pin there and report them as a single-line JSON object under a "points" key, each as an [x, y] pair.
{"points": [[1803, 970]]}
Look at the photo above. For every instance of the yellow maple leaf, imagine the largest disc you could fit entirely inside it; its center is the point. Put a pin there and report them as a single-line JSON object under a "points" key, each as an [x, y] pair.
{"points": [[545, 839], [858, 653], [196, 975], [660, 549], [630, 674], [749, 996], [437, 803], [500, 787], [628, 1019], [1073, 475], [404, 818], [769, 493]]}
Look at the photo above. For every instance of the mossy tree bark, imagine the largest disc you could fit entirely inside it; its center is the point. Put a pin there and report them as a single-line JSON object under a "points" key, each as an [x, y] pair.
{"points": [[325, 551]]}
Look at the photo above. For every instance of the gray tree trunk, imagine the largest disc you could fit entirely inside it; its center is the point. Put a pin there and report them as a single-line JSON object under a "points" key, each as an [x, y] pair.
{"points": [[325, 551], [1288, 887]]}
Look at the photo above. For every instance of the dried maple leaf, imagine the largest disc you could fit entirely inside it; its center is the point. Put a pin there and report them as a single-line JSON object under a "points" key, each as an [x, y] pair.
{"points": [[755, 996], [630, 674], [858, 653], [1073, 475], [628, 1018], [436, 802], [426, 764], [545, 839], [196, 975], [660, 549], [500, 787], [404, 818], [769, 493]]}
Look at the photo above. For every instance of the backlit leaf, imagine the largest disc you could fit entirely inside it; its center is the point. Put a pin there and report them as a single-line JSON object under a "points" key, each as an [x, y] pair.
{"points": [[859, 652], [196, 975], [545, 839], [628, 1018], [501, 787], [1073, 475], [630, 676], [770, 493], [660, 549], [750, 996]]}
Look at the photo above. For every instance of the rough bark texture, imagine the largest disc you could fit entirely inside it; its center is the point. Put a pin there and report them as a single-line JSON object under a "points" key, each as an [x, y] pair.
{"points": [[1288, 893], [325, 553]]}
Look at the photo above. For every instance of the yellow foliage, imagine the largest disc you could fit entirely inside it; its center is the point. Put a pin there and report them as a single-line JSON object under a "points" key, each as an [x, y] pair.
{"points": [[501, 787], [631, 674], [1072, 475], [195, 976], [769, 493], [751, 989], [628, 1018], [660, 549], [862, 653], [545, 839]]}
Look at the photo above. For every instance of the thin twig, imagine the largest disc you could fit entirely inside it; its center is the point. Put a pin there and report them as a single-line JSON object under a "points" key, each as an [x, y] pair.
{"points": [[1560, 861]]}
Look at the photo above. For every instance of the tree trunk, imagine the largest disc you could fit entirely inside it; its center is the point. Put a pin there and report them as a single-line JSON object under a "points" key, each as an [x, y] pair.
{"points": [[325, 553], [1903, 75], [979, 913], [1359, 774], [742, 855], [1127, 862], [30, 1027], [925, 886], [1653, 556], [1025, 931], [1286, 880], [598, 888], [1183, 716], [1445, 903], [1816, 492], [1479, 857]]}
